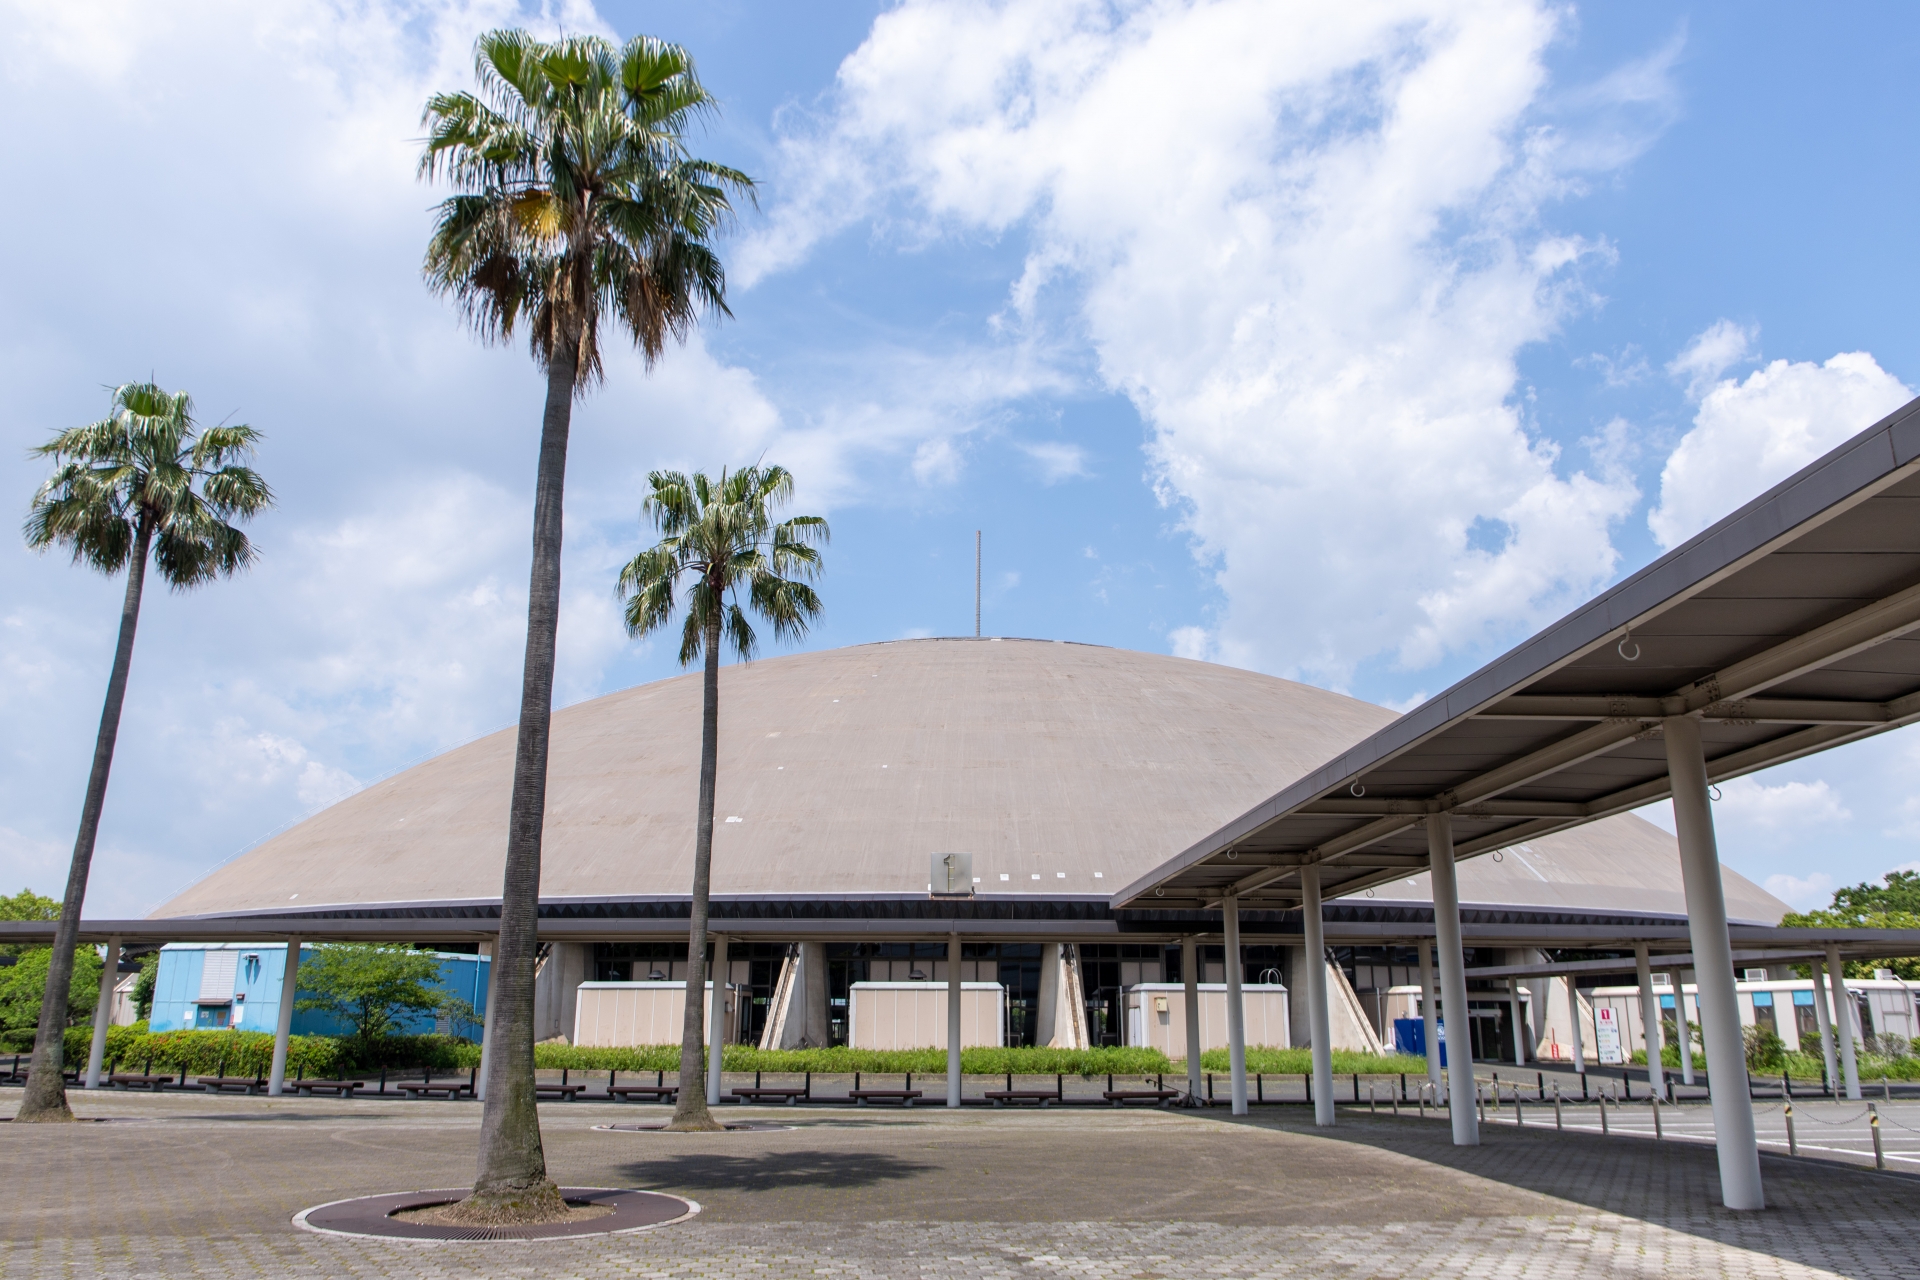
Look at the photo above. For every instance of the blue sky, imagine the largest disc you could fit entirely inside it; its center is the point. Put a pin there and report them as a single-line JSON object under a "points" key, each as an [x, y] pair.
{"points": [[1345, 342]]}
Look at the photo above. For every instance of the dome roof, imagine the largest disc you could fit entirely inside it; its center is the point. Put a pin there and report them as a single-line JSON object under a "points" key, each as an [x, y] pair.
{"points": [[1063, 769]]}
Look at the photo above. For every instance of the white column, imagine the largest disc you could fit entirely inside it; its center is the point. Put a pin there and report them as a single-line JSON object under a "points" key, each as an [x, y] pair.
{"points": [[283, 1027], [1650, 1021], [1236, 1015], [1738, 1149], [1519, 1023], [717, 1019], [1579, 1031], [954, 990], [1457, 1034], [1190, 979], [1843, 1022], [1313, 926], [486, 1024], [103, 1012], [1826, 1028], [1681, 1026], [1430, 1017]]}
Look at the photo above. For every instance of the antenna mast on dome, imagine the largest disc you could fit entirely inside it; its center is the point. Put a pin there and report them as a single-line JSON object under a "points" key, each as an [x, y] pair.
{"points": [[976, 584]]}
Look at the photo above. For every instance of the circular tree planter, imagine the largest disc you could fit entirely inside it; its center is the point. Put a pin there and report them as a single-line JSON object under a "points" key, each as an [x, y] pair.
{"points": [[374, 1216]]}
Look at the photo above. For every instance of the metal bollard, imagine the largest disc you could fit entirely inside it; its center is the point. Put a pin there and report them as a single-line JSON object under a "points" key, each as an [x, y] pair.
{"points": [[1518, 1119], [1655, 1102], [1480, 1101], [1603, 1112], [1873, 1123], [1395, 1098], [1373, 1100], [1421, 1099], [1558, 1122], [1793, 1146]]}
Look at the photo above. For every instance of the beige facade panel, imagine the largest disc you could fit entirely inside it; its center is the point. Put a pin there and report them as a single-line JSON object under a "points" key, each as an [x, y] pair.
{"points": [[623, 1015], [1157, 1016], [913, 1015]]}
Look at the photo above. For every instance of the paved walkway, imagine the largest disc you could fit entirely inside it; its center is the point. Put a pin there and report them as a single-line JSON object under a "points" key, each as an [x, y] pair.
{"points": [[180, 1185]]}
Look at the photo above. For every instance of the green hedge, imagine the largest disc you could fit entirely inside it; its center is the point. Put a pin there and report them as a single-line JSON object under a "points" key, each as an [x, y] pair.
{"points": [[1299, 1062], [250, 1053], [842, 1061]]}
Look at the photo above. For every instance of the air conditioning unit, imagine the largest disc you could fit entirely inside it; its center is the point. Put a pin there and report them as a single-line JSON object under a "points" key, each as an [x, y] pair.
{"points": [[1754, 975]]}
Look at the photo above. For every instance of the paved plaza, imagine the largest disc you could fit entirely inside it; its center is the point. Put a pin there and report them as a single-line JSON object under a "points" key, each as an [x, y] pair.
{"points": [[204, 1186]]}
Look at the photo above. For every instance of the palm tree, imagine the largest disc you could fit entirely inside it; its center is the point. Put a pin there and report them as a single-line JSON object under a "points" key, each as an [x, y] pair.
{"points": [[722, 538], [124, 490], [576, 197]]}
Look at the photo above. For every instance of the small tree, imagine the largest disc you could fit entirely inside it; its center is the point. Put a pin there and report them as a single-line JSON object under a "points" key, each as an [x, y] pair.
{"points": [[370, 987], [721, 538], [23, 982]]}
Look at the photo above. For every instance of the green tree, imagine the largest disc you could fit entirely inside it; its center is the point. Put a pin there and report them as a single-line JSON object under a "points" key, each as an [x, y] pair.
{"points": [[144, 482], [577, 198], [143, 986], [25, 905], [369, 987], [23, 989], [720, 537], [1892, 904]]}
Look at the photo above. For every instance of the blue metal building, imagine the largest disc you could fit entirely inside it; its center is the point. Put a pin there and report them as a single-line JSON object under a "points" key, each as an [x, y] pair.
{"points": [[214, 985]]}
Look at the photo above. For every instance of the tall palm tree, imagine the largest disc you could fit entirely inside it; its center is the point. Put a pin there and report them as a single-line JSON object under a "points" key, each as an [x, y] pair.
{"points": [[123, 490], [721, 537], [577, 197]]}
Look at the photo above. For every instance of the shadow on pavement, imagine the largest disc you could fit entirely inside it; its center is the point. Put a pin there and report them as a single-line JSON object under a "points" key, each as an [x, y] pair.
{"points": [[769, 1171]]}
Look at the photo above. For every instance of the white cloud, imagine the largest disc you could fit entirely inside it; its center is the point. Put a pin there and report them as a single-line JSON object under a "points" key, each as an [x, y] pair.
{"points": [[1748, 436], [936, 462], [1713, 351], [1057, 460], [1312, 279], [1798, 815], [1802, 893], [1191, 642]]}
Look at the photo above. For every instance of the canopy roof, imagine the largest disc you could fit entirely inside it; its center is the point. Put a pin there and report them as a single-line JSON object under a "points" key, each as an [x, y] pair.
{"points": [[1786, 627]]}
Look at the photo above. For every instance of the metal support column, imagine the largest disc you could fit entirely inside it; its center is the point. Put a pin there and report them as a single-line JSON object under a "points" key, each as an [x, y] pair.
{"points": [[283, 1026], [1519, 1022], [954, 991], [1190, 979], [1650, 1021], [1843, 1023], [1573, 1017], [1430, 1020], [1456, 1029], [486, 1025], [1236, 1015], [717, 1019], [1314, 929], [1734, 1138], [1826, 1029], [103, 1012], [1682, 1027]]}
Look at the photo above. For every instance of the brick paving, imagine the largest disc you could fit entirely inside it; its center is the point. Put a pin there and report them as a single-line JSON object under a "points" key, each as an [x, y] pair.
{"points": [[191, 1186]]}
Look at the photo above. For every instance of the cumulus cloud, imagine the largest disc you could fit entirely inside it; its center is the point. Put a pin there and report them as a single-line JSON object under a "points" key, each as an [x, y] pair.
{"points": [[1802, 893], [1752, 812], [1749, 435], [1311, 279], [1056, 459]]}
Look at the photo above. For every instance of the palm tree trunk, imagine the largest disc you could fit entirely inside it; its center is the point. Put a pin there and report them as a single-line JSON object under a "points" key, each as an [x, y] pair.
{"points": [[690, 1104], [46, 1096], [512, 1182]]}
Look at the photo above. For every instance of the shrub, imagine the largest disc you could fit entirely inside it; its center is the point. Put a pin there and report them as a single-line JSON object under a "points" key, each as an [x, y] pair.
{"points": [[1299, 1062], [843, 1061], [1766, 1051]]}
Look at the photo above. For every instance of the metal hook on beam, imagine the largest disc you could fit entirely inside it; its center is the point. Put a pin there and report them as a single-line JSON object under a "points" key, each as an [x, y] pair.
{"points": [[1621, 648]]}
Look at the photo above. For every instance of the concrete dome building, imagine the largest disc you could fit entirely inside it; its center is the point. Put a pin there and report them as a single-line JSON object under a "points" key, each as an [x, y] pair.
{"points": [[1064, 771]]}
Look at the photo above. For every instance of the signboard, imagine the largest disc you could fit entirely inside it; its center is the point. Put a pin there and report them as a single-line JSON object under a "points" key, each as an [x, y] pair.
{"points": [[1606, 1036]]}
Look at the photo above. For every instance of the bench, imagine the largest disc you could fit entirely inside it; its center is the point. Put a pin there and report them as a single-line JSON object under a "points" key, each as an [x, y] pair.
{"points": [[788, 1094], [566, 1091], [137, 1080], [648, 1092], [452, 1089], [345, 1088], [220, 1084], [1000, 1097], [904, 1097], [1119, 1097]]}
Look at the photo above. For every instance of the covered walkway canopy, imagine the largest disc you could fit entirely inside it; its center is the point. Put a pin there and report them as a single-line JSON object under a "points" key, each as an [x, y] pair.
{"points": [[1781, 631]]}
